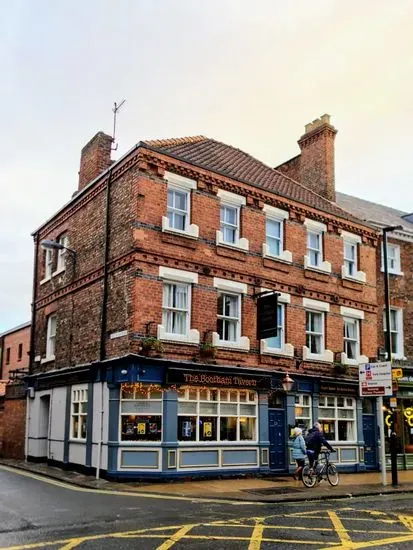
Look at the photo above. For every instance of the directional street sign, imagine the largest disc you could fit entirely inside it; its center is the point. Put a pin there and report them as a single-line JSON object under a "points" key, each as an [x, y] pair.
{"points": [[397, 373], [375, 379]]}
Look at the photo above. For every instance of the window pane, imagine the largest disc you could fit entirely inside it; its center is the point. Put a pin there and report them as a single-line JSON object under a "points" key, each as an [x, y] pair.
{"points": [[247, 429], [247, 409], [228, 428], [208, 428], [273, 228], [208, 408], [314, 240], [229, 409], [186, 428], [141, 428], [180, 200], [141, 406], [187, 407]]}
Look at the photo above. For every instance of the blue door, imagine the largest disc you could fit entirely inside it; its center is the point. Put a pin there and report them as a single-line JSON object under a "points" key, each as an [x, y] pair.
{"points": [[370, 441], [278, 449]]}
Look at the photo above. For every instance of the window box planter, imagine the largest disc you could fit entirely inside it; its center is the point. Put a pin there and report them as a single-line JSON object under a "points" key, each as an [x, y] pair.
{"points": [[152, 347]]}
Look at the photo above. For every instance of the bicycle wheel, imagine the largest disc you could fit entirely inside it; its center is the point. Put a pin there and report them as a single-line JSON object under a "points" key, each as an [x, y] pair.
{"points": [[332, 475], [308, 477]]}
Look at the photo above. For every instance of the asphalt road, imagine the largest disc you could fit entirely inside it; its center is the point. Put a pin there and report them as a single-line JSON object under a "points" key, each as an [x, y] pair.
{"points": [[40, 513]]}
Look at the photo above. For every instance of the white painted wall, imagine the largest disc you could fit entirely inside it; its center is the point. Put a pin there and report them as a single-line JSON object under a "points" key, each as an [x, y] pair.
{"points": [[96, 432], [77, 453]]}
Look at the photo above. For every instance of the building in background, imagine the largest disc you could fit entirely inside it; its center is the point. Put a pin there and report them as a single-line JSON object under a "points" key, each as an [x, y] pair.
{"points": [[400, 262], [14, 363], [145, 357]]}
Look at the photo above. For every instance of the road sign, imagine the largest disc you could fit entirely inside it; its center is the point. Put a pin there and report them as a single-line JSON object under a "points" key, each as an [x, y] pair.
{"points": [[375, 379], [396, 373]]}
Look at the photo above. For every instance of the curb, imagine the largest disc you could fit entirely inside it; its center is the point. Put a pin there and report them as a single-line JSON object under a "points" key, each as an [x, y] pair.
{"points": [[279, 499]]}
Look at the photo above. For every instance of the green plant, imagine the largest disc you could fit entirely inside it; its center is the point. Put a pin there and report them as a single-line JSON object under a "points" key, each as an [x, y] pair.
{"points": [[151, 344], [207, 350], [340, 368]]}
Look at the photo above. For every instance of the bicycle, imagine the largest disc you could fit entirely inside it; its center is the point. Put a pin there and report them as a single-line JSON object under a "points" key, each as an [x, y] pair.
{"points": [[323, 469]]}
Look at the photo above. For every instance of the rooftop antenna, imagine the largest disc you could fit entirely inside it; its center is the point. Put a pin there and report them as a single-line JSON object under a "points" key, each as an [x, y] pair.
{"points": [[115, 110]]}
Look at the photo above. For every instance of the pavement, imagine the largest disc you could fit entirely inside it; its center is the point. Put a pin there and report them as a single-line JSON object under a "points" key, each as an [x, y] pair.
{"points": [[268, 489]]}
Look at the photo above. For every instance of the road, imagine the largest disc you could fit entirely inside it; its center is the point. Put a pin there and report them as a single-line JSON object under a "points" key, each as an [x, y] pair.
{"points": [[41, 513]]}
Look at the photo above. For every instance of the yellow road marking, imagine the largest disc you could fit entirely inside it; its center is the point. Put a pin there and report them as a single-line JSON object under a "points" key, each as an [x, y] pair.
{"points": [[256, 537], [340, 529], [373, 543], [176, 537], [78, 489], [72, 544], [407, 521]]}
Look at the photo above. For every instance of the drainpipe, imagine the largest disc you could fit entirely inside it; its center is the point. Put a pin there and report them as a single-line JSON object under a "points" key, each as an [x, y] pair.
{"points": [[103, 324]]}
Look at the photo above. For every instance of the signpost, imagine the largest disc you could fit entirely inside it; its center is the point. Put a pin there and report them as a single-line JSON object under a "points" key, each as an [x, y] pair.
{"points": [[375, 379]]}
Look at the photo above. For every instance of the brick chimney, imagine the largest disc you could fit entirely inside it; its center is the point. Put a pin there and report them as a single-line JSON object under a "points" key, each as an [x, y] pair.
{"points": [[317, 157], [94, 158]]}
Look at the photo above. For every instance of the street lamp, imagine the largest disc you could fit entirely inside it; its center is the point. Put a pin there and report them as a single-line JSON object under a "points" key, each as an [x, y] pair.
{"points": [[287, 383], [393, 438]]}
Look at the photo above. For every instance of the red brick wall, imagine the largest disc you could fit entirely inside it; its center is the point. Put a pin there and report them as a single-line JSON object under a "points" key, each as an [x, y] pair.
{"points": [[13, 421], [95, 158], [138, 248], [13, 341]]}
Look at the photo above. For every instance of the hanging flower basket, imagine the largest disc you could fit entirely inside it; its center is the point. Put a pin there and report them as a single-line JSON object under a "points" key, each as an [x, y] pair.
{"points": [[152, 347]]}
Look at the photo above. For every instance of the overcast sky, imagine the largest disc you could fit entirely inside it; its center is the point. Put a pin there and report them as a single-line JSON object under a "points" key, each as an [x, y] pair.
{"points": [[250, 74]]}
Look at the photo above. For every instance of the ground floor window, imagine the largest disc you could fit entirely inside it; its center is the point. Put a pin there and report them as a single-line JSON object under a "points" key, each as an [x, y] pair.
{"points": [[338, 417], [78, 413], [303, 415], [141, 412], [399, 418], [217, 415]]}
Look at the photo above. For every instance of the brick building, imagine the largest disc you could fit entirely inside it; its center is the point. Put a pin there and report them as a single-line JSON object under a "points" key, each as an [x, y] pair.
{"points": [[145, 358], [14, 361], [400, 262]]}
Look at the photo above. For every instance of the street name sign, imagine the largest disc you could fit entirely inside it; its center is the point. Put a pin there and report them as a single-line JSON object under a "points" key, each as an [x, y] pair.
{"points": [[375, 379]]}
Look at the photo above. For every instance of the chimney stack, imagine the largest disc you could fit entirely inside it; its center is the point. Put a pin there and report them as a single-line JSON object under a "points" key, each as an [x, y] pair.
{"points": [[95, 158], [317, 157]]}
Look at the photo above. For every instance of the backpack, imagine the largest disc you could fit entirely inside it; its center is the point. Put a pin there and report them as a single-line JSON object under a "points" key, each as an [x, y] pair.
{"points": [[309, 439]]}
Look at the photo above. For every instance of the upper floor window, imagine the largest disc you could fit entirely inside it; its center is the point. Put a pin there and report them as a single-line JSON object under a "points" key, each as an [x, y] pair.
{"points": [[7, 356], [274, 234], [61, 253], [349, 268], [229, 233], [314, 258], [176, 305], [51, 336], [229, 301], [351, 335], [48, 263], [315, 319], [277, 345], [178, 210], [393, 259], [277, 342], [79, 413], [396, 332], [20, 352]]}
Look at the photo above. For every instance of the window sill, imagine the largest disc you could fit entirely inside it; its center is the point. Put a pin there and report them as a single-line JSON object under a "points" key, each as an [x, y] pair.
{"points": [[285, 256], [353, 362], [242, 244], [45, 280], [324, 267], [326, 357], [242, 345], [359, 277], [191, 338], [58, 271], [397, 273], [72, 440], [286, 351], [215, 443], [47, 359], [191, 233]]}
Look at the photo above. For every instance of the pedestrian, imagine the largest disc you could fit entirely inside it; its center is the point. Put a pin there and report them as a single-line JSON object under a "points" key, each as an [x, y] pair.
{"points": [[314, 441], [298, 452]]}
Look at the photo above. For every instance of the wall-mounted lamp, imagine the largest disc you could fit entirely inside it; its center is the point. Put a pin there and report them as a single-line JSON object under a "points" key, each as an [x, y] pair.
{"points": [[287, 383]]}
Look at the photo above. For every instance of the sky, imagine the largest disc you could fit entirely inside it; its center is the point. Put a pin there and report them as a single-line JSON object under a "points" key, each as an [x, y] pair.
{"points": [[250, 74]]}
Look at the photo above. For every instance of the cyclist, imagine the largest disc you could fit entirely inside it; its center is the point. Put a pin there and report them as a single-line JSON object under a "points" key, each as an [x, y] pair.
{"points": [[314, 441]]}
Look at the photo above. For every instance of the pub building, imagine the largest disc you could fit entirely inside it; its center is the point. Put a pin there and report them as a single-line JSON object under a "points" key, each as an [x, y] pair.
{"points": [[140, 417]]}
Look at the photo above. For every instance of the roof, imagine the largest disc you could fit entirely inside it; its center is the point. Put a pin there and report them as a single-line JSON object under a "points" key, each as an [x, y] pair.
{"points": [[374, 213], [232, 162], [15, 329]]}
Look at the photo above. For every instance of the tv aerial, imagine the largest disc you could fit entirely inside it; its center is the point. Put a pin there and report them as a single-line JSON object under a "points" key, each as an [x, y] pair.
{"points": [[116, 107]]}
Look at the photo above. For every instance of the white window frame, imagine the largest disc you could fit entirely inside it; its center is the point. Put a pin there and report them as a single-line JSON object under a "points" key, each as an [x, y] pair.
{"points": [[316, 306], [276, 215], [50, 338], [336, 419], [61, 254], [354, 241], [79, 397], [178, 276], [350, 314], [150, 389], [400, 332], [48, 265], [174, 309], [231, 200], [286, 349], [299, 402], [397, 269], [184, 185], [316, 228], [251, 399], [234, 288]]}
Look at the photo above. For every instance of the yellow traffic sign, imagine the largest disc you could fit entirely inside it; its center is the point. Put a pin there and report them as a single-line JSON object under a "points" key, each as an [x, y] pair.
{"points": [[396, 373]]}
